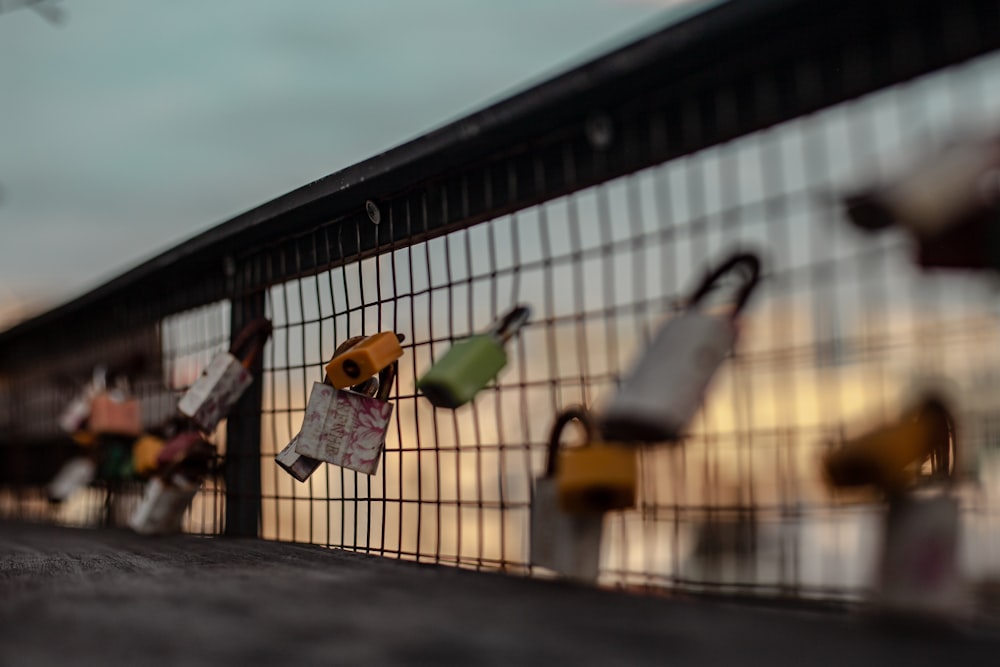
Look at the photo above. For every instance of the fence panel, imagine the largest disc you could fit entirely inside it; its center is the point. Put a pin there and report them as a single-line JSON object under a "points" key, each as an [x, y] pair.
{"points": [[600, 199]]}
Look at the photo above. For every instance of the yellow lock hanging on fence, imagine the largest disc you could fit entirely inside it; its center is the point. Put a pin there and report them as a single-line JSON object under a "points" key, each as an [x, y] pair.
{"points": [[364, 360], [890, 457], [596, 477]]}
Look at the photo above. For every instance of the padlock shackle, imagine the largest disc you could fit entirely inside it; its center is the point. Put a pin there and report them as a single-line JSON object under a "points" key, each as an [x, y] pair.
{"points": [[257, 331], [943, 434], [572, 413], [507, 326], [750, 260], [386, 377]]}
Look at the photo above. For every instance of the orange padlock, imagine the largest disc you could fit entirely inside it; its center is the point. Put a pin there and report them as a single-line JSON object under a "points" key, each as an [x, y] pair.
{"points": [[365, 359], [594, 478], [890, 457]]}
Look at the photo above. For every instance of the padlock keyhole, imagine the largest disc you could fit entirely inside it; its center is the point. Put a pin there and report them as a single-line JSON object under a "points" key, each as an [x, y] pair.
{"points": [[351, 369]]}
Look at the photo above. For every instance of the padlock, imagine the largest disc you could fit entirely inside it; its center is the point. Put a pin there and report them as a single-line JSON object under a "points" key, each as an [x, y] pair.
{"points": [[564, 542], [74, 417], [889, 458], [298, 466], [85, 438], [347, 428], [597, 477], [226, 377], [182, 464], [145, 453], [302, 467], [949, 202], [114, 458], [115, 412], [364, 359], [76, 474], [163, 504], [471, 363], [664, 390], [918, 573], [180, 447]]}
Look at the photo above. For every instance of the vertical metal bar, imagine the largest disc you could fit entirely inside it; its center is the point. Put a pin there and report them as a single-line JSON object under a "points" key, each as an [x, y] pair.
{"points": [[242, 471]]}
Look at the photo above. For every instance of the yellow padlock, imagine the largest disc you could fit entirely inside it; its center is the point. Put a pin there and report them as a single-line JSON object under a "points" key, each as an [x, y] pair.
{"points": [[145, 451], [595, 477], [890, 457], [364, 359]]}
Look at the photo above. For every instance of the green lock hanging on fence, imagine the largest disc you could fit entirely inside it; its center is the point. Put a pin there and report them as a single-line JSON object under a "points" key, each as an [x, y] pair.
{"points": [[471, 363]]}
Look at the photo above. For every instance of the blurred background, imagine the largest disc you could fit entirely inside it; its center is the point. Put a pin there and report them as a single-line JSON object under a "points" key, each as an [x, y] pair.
{"points": [[127, 127]]}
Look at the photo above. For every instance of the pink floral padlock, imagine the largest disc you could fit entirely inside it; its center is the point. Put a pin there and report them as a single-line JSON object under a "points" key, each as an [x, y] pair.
{"points": [[224, 380], [343, 427]]}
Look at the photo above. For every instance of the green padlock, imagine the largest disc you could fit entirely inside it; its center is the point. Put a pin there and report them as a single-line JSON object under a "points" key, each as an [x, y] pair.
{"points": [[470, 364]]}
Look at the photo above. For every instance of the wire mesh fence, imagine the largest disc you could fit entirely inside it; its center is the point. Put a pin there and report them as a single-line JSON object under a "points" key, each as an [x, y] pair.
{"points": [[840, 332]]}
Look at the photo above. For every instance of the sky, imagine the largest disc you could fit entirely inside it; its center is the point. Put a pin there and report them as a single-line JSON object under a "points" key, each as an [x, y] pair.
{"points": [[131, 125]]}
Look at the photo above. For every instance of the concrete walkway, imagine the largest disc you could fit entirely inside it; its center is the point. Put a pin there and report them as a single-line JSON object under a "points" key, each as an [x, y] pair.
{"points": [[76, 597]]}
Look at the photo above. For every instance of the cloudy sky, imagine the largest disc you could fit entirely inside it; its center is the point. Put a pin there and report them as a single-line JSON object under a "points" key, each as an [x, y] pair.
{"points": [[133, 124]]}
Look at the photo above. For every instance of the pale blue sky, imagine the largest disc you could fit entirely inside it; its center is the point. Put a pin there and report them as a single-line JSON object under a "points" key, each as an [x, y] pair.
{"points": [[136, 124]]}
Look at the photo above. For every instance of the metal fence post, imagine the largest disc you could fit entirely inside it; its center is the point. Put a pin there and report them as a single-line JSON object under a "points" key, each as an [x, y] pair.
{"points": [[242, 469]]}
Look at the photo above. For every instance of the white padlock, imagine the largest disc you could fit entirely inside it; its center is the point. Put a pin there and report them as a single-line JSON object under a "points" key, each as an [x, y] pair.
{"points": [[163, 504], [936, 192], [226, 377], [347, 428], [919, 572], [298, 466], [77, 412], [76, 474], [664, 390]]}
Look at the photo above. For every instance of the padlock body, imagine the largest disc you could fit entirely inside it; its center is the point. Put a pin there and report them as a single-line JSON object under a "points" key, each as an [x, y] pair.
{"points": [[163, 504], [364, 360], [216, 391], [886, 458], [919, 571], [344, 428], [468, 366], [944, 190], [145, 451], [596, 478], [75, 474], [662, 393], [298, 466], [569, 544], [115, 417]]}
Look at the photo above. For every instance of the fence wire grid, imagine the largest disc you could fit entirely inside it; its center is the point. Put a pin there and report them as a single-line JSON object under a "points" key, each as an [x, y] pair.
{"points": [[840, 331]]}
